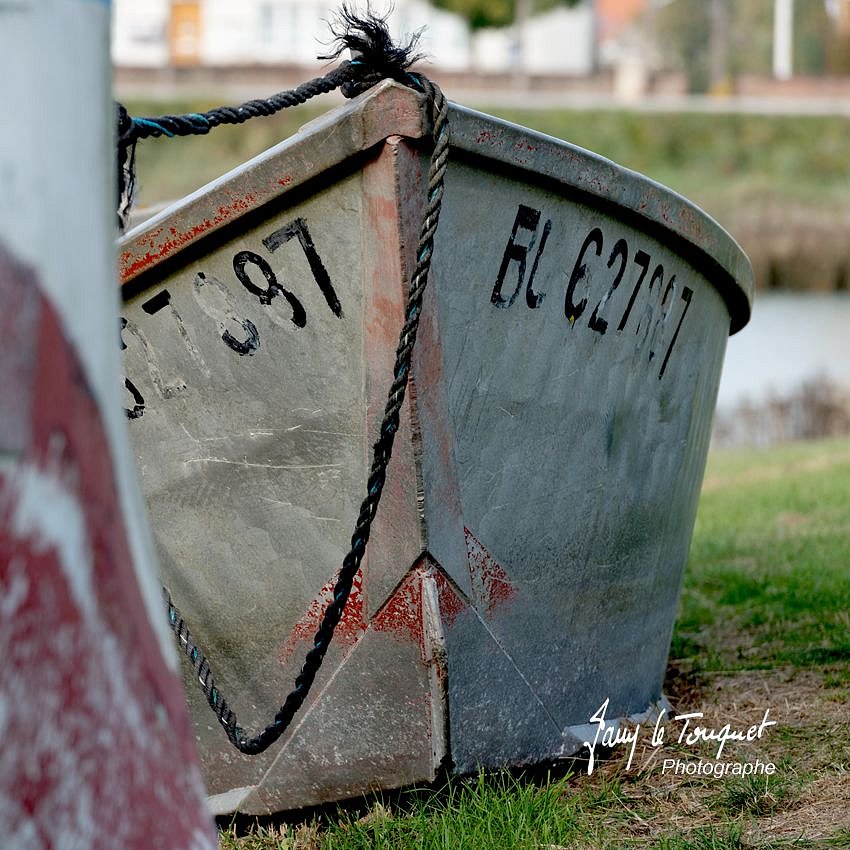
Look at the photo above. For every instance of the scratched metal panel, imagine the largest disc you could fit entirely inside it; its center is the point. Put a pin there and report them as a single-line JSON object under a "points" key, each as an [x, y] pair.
{"points": [[257, 372], [526, 560], [580, 361], [248, 448]]}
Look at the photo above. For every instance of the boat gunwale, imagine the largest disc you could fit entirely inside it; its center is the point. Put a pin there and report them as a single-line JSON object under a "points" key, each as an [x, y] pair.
{"points": [[348, 131]]}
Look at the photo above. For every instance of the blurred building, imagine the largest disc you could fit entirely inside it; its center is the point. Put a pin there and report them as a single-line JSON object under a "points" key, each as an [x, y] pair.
{"points": [[559, 42], [158, 33], [161, 33], [617, 22], [624, 46], [140, 33]]}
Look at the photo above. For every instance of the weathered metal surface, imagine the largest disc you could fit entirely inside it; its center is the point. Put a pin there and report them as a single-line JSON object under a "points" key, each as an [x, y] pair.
{"points": [[575, 456], [91, 709], [525, 563]]}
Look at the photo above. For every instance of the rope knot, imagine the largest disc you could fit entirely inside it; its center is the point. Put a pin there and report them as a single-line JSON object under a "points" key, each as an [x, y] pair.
{"points": [[124, 120], [375, 56]]}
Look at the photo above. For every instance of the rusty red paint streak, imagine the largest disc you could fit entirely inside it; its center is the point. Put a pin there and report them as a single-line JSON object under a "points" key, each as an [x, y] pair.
{"points": [[451, 602], [692, 223], [132, 263], [401, 614], [285, 181], [350, 627], [491, 586]]}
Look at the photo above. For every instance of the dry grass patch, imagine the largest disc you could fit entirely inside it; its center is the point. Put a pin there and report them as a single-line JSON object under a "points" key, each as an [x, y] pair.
{"points": [[807, 799]]}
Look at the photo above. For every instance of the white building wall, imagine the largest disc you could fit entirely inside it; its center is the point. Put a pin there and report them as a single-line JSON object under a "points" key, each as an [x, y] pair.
{"points": [[560, 42], [140, 32], [260, 31], [296, 31], [245, 32], [493, 50], [446, 40]]}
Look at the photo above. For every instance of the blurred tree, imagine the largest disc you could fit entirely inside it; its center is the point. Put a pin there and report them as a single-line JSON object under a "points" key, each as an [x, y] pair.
{"points": [[752, 37], [813, 29], [499, 13], [838, 41], [718, 47], [685, 28]]}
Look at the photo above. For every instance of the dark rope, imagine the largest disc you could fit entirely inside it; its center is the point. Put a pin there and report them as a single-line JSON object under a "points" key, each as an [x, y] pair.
{"points": [[375, 29], [200, 123], [126, 164]]}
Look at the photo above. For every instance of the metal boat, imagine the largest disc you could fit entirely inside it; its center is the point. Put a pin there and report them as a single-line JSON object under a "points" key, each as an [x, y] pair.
{"points": [[526, 561]]}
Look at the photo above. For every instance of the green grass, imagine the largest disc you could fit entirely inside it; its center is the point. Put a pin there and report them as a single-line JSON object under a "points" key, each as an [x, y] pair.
{"points": [[763, 624], [755, 796], [771, 557], [500, 811]]}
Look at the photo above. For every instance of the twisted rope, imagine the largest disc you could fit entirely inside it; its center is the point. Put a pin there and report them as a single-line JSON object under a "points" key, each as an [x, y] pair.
{"points": [[381, 454]]}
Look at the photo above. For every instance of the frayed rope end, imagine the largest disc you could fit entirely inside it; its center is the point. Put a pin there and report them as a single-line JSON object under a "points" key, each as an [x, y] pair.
{"points": [[368, 38]]}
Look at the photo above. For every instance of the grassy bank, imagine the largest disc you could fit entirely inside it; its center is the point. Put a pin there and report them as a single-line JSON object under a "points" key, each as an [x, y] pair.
{"points": [[779, 184], [764, 624]]}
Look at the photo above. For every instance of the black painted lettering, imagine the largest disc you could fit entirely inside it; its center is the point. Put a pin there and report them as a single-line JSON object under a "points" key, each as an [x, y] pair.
{"points": [[687, 296], [649, 308], [621, 250], [166, 389], [299, 228], [528, 219], [243, 346], [138, 407], [573, 310], [215, 300], [266, 294], [661, 321], [643, 260], [157, 302], [532, 298]]}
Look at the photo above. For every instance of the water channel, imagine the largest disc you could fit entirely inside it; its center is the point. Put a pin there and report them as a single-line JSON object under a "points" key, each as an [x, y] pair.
{"points": [[792, 340]]}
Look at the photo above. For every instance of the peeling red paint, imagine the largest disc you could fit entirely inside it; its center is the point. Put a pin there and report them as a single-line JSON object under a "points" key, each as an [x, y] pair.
{"points": [[132, 263], [401, 614], [349, 629], [451, 602], [692, 224], [491, 587], [485, 136], [285, 181]]}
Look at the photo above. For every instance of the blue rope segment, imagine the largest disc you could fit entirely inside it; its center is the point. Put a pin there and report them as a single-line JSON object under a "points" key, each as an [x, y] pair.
{"points": [[151, 125]]}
